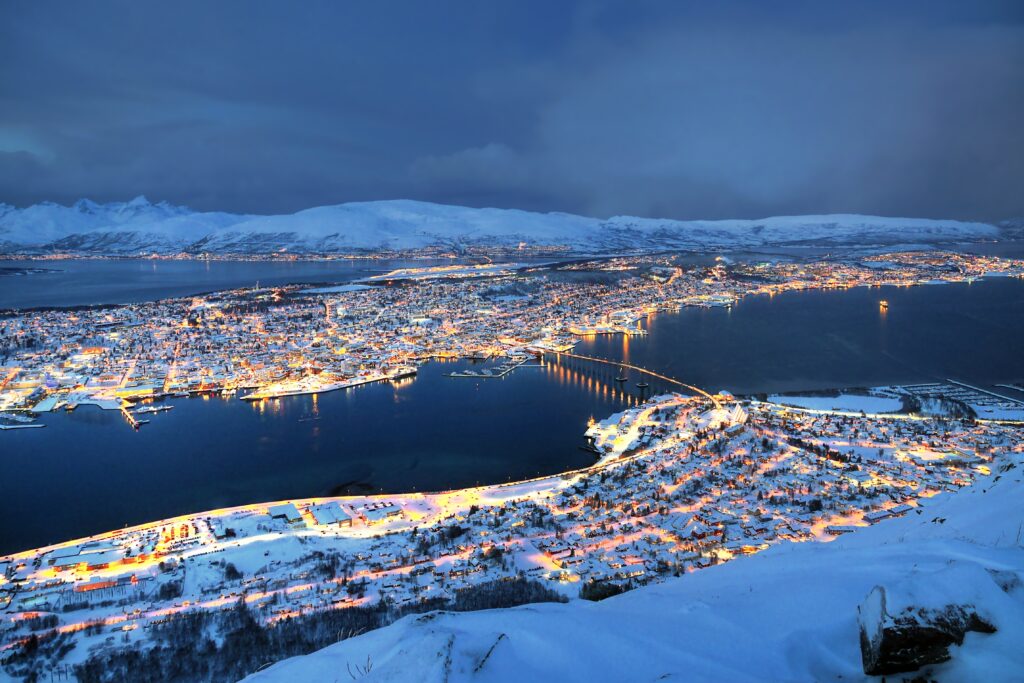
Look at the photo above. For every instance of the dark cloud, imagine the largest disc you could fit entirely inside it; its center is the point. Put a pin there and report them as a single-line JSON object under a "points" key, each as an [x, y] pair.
{"points": [[671, 109]]}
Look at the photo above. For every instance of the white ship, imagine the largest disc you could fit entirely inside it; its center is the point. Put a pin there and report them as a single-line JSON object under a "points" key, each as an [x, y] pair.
{"points": [[319, 384], [151, 409]]}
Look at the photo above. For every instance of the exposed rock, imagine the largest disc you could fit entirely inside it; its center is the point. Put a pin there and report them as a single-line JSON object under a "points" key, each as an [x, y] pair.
{"points": [[897, 638]]}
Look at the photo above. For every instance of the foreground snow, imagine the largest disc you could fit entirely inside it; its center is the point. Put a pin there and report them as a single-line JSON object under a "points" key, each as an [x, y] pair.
{"points": [[787, 614], [138, 227]]}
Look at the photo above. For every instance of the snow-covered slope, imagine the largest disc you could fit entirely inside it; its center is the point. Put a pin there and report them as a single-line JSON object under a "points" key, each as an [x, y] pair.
{"points": [[116, 228], [787, 614], [138, 226]]}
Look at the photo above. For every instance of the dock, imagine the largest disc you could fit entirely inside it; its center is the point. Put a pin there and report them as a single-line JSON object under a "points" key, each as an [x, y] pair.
{"points": [[486, 373], [132, 420], [985, 391]]}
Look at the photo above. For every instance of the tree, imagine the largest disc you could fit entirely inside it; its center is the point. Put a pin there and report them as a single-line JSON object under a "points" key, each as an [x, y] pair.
{"points": [[599, 590]]}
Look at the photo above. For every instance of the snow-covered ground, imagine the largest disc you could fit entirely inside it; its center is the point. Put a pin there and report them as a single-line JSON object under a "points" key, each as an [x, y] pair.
{"points": [[439, 272], [842, 402], [335, 289], [139, 227], [988, 412], [787, 614]]}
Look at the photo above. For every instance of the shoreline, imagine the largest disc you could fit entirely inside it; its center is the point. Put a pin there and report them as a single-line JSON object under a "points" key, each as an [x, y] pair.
{"points": [[604, 459], [601, 463], [643, 315], [683, 486]]}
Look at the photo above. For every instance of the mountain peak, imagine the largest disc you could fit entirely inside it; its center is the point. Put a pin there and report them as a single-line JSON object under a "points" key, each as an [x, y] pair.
{"points": [[137, 226], [86, 206]]}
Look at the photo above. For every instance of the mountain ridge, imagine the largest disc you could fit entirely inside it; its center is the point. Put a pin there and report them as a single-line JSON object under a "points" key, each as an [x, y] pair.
{"points": [[139, 227]]}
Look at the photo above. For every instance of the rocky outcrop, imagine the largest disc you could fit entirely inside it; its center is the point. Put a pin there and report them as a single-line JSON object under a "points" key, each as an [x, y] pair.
{"points": [[896, 637]]}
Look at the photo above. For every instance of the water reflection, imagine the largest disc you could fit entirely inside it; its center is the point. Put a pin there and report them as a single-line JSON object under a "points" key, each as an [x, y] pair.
{"points": [[595, 379]]}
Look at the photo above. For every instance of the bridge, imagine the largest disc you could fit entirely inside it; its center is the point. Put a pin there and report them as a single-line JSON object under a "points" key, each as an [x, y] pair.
{"points": [[645, 371]]}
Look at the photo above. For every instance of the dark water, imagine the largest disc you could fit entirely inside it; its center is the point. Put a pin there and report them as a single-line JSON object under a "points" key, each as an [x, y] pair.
{"points": [[76, 282], [822, 339], [88, 472]]}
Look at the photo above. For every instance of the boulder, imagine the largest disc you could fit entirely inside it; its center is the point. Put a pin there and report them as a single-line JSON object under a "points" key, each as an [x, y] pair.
{"points": [[898, 636]]}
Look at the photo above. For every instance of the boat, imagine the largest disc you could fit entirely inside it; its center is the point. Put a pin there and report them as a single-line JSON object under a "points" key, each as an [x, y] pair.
{"points": [[883, 304], [621, 378], [402, 371], [642, 385], [14, 417], [151, 409]]}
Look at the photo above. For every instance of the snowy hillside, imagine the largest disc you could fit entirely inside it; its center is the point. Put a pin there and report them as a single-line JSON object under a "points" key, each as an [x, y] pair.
{"points": [[787, 614], [139, 227]]}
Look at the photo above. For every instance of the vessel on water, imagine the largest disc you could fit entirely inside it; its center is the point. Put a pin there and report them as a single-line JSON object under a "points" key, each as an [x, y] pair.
{"points": [[317, 384], [14, 417], [151, 409]]}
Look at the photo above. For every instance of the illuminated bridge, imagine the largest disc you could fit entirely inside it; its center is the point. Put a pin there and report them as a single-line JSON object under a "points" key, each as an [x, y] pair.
{"points": [[650, 373]]}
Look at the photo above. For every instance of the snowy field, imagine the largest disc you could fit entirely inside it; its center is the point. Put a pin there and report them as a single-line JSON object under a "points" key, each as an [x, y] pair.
{"points": [[336, 289], [1009, 412], [843, 402], [489, 270]]}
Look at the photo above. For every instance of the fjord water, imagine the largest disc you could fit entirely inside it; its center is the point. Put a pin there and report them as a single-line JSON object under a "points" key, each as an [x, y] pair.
{"points": [[89, 472], [85, 282], [820, 339]]}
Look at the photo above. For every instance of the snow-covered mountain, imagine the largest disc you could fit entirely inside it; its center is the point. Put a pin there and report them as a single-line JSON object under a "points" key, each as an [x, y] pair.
{"points": [[140, 227], [786, 614]]}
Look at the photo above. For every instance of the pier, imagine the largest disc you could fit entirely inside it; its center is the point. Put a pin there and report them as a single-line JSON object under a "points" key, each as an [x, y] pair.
{"points": [[986, 391], [486, 373], [132, 420]]}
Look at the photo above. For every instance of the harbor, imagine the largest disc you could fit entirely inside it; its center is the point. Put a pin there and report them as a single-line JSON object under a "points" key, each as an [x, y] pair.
{"points": [[316, 384], [496, 372]]}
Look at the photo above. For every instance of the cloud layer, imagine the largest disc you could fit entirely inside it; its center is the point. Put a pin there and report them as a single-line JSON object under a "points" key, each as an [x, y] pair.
{"points": [[675, 110]]}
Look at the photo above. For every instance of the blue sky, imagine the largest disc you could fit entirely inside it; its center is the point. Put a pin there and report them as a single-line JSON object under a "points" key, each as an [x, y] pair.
{"points": [[677, 109]]}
